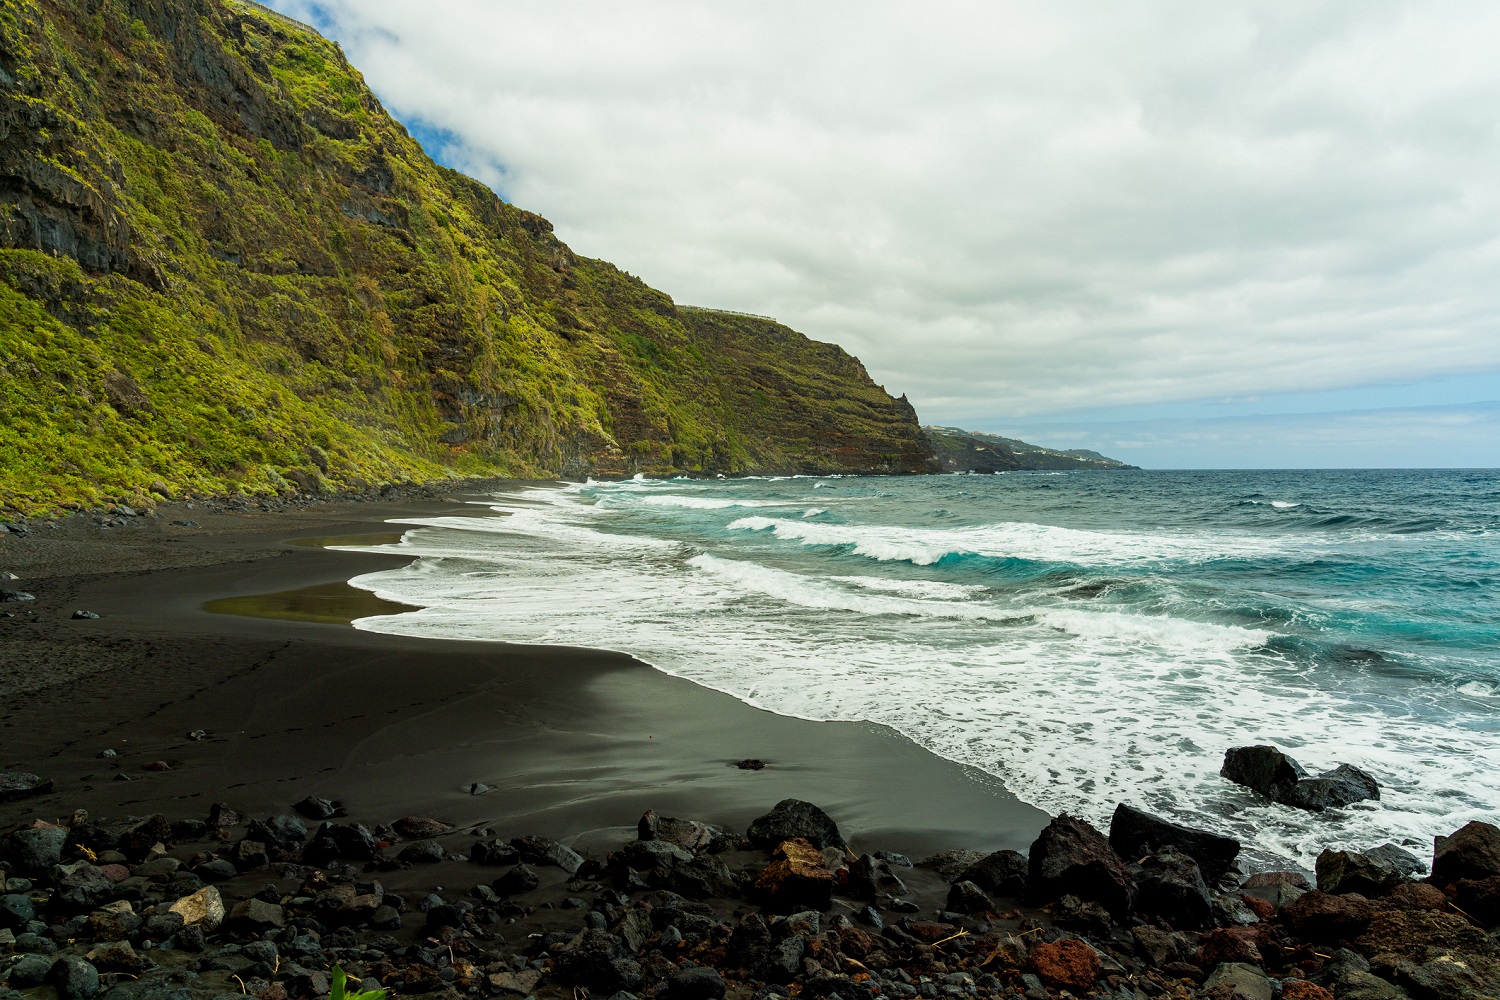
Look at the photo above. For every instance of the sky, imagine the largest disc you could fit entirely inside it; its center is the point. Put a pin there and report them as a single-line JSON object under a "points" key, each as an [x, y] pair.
{"points": [[1186, 235]]}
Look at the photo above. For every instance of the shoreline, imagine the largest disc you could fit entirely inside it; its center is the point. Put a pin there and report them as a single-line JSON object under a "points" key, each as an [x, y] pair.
{"points": [[597, 895], [588, 738]]}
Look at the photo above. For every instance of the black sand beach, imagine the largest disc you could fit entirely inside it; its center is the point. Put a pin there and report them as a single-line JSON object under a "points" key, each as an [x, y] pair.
{"points": [[575, 742]]}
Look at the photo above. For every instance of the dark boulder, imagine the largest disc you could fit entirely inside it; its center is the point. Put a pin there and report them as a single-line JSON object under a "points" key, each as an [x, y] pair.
{"points": [[1071, 857], [541, 851], [966, 897], [315, 808], [516, 881], [16, 911], [1479, 898], [697, 983], [1263, 768], [1471, 852], [17, 785], [87, 888], [690, 835], [281, 834], [341, 841], [871, 878], [951, 865], [74, 978], [1344, 785], [791, 819], [1170, 886], [598, 961], [1134, 834], [1399, 858], [1002, 873], [34, 850], [493, 852], [1343, 872], [423, 852], [1279, 778]]}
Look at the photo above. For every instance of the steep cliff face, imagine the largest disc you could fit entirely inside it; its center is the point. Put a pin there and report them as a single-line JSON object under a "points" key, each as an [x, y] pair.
{"points": [[223, 266]]}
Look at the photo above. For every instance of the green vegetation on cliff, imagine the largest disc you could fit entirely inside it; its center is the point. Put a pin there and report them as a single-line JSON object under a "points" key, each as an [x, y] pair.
{"points": [[973, 451], [223, 267]]}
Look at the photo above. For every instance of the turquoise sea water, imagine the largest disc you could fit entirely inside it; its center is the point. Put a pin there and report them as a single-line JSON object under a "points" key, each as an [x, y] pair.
{"points": [[1087, 637]]}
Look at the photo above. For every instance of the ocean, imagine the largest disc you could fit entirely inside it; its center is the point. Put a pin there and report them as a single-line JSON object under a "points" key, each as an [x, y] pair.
{"points": [[1086, 637]]}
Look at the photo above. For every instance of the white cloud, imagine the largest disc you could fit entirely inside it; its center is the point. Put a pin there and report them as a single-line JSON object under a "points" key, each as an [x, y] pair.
{"points": [[1013, 207]]}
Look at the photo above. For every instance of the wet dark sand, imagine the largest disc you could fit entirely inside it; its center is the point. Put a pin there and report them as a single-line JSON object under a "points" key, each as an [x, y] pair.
{"points": [[577, 743]]}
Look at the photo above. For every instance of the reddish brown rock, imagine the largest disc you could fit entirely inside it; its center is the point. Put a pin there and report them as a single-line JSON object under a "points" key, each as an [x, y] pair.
{"points": [[1301, 989], [115, 873], [1329, 919], [1416, 896], [1480, 899], [1229, 944], [420, 827], [796, 880], [1066, 964], [1421, 935], [1262, 908]]}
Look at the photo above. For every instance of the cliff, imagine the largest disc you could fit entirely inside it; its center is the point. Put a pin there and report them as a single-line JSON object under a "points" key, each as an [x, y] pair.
{"points": [[224, 267], [972, 451]]}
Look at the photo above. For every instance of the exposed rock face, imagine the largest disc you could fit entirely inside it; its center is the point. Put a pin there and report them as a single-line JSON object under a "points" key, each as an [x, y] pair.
{"points": [[1072, 858], [1471, 852], [1134, 833], [1281, 779]]}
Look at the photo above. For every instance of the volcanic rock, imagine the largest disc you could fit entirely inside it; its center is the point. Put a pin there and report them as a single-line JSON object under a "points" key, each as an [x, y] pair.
{"points": [[1471, 852], [1281, 779], [1066, 964], [1347, 871], [796, 880], [1134, 834], [1002, 873], [1071, 857], [1170, 886], [793, 819]]}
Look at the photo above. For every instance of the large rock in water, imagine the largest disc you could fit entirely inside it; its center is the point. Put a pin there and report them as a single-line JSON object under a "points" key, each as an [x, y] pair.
{"points": [[791, 819], [1471, 852], [1134, 834], [1281, 779], [1072, 858]]}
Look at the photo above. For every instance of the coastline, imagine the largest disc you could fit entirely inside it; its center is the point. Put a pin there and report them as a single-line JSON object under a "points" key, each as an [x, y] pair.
{"points": [[576, 742]]}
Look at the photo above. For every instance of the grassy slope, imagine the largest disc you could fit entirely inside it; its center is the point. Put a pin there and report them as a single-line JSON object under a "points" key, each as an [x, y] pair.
{"points": [[224, 267]]}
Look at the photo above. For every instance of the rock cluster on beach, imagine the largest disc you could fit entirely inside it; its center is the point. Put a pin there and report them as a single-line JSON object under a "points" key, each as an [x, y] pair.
{"points": [[145, 908]]}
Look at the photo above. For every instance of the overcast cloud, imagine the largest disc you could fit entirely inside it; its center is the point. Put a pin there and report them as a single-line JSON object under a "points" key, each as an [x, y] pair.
{"points": [[1006, 209]]}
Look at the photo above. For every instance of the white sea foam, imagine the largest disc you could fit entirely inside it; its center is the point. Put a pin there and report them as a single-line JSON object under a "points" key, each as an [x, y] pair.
{"points": [[1073, 707], [706, 503], [1284, 504], [1035, 542]]}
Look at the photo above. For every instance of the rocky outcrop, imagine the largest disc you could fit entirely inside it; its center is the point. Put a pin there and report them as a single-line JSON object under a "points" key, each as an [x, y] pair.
{"points": [[1134, 833], [1281, 779]]}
